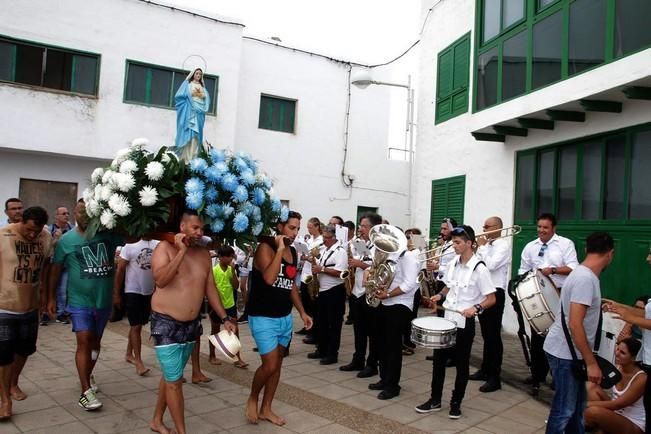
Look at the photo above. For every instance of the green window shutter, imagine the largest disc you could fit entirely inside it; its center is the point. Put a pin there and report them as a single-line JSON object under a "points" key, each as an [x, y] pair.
{"points": [[452, 80], [277, 114], [447, 201]]}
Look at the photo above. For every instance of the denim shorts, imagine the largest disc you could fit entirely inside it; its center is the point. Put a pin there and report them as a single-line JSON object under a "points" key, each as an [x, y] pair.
{"points": [[89, 319], [269, 332]]}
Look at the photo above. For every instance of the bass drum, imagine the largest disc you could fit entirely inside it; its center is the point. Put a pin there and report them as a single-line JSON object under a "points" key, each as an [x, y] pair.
{"points": [[539, 300], [433, 332]]}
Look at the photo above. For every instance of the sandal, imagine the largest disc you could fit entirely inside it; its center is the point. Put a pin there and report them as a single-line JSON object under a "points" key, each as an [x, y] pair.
{"points": [[241, 364], [406, 351]]}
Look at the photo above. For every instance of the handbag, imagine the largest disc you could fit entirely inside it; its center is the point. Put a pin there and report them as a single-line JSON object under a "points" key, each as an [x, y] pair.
{"points": [[610, 375]]}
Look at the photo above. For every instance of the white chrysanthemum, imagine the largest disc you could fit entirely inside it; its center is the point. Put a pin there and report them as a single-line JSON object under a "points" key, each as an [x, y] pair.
{"points": [[124, 181], [107, 219], [97, 175], [140, 142], [119, 205], [148, 196], [106, 192], [92, 207], [88, 194], [107, 177], [98, 191], [154, 170], [128, 166]]}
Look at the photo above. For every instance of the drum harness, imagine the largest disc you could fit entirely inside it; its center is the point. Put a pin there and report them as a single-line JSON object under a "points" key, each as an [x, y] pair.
{"points": [[522, 333]]}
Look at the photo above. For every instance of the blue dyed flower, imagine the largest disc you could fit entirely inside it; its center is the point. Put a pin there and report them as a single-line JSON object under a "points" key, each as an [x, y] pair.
{"points": [[240, 222], [256, 214], [217, 225], [194, 199], [211, 194], [275, 204], [240, 194], [222, 167], [230, 182], [284, 214], [227, 210], [247, 177], [267, 182], [198, 165], [240, 164], [217, 155], [258, 196], [245, 208], [257, 228], [194, 185], [214, 210], [213, 173]]}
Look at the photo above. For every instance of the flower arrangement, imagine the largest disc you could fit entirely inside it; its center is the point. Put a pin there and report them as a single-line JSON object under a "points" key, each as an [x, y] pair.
{"points": [[235, 200], [140, 189], [131, 195]]}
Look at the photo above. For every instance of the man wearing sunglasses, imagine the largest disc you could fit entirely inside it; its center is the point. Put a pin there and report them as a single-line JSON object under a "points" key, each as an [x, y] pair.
{"points": [[468, 292], [555, 257]]}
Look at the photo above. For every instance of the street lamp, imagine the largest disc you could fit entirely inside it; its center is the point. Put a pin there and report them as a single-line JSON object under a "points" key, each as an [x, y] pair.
{"points": [[363, 79]]}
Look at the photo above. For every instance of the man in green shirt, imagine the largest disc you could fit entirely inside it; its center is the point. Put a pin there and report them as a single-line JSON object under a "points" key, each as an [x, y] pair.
{"points": [[90, 264]]}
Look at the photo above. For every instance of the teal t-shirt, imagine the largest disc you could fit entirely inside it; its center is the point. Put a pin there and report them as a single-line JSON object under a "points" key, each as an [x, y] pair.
{"points": [[90, 265]]}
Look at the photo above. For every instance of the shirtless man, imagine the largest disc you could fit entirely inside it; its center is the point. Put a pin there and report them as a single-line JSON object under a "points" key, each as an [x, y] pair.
{"points": [[272, 294], [24, 256], [183, 276]]}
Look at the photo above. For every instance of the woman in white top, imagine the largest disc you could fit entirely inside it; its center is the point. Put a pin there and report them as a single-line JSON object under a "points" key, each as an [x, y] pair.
{"points": [[620, 409]]}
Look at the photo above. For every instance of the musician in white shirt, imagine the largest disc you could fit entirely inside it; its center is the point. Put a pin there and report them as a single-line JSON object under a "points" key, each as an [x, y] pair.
{"points": [[395, 314], [331, 303], [555, 257], [496, 254], [365, 316], [314, 239], [468, 292]]}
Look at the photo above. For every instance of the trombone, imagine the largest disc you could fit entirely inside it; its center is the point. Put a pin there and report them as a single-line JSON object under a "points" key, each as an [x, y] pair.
{"points": [[508, 232]]}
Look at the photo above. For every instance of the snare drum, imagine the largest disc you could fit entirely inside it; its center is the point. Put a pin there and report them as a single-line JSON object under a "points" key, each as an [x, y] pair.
{"points": [[538, 298], [433, 332]]}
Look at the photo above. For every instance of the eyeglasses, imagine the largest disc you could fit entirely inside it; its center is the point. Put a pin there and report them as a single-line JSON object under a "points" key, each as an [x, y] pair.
{"points": [[459, 231], [541, 253]]}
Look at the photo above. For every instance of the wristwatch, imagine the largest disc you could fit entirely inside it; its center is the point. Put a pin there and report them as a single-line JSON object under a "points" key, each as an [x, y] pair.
{"points": [[479, 309], [226, 318], [553, 270]]}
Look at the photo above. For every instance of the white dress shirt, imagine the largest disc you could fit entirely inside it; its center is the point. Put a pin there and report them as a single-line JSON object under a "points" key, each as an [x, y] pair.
{"points": [[560, 252], [334, 258], [445, 259], [406, 277], [307, 265], [468, 285], [358, 289], [496, 254]]}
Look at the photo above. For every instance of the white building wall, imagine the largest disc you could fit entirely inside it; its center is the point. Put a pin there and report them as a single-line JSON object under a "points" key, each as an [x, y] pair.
{"points": [[118, 30], [306, 166], [448, 149]]}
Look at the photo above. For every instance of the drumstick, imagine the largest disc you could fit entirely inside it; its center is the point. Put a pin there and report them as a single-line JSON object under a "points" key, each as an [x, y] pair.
{"points": [[450, 309]]}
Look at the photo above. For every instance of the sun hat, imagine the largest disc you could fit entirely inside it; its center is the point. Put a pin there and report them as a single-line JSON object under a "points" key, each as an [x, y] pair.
{"points": [[227, 343]]}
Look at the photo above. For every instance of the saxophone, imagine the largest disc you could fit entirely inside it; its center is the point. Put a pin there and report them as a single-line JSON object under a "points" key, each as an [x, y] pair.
{"points": [[350, 276], [386, 239], [311, 280]]}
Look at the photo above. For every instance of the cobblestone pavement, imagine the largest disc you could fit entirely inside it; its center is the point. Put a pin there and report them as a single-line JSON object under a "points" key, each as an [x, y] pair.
{"points": [[312, 398]]}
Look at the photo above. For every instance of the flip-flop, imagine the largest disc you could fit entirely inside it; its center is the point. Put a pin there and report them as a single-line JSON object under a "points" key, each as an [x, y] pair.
{"points": [[241, 365]]}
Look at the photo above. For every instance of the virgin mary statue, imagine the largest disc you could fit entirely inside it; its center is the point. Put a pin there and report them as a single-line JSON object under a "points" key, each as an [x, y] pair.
{"points": [[192, 101]]}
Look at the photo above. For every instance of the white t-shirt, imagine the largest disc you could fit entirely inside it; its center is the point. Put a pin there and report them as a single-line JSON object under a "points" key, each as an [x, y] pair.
{"points": [[646, 336], [139, 278]]}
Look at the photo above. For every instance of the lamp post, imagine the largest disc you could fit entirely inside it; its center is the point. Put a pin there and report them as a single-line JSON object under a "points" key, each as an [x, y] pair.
{"points": [[363, 80]]}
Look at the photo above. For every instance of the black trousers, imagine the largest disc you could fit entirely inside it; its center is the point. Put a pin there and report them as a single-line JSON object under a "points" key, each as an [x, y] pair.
{"points": [[310, 308], [351, 308], [392, 325], [364, 327], [461, 355], [491, 331], [331, 307], [539, 364]]}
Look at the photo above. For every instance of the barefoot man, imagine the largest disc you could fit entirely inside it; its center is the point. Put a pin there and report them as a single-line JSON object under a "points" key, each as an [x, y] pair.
{"points": [[24, 252], [183, 276], [270, 314]]}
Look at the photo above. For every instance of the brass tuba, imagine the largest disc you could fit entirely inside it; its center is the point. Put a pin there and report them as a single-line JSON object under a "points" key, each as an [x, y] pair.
{"points": [[387, 239]]}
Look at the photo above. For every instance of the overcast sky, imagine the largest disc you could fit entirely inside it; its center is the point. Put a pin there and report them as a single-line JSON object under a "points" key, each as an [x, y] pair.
{"points": [[365, 31]]}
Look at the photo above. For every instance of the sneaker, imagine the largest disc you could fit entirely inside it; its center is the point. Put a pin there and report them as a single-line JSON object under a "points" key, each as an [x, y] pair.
{"points": [[428, 406], [455, 411], [88, 401], [44, 320], [93, 384], [62, 319]]}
